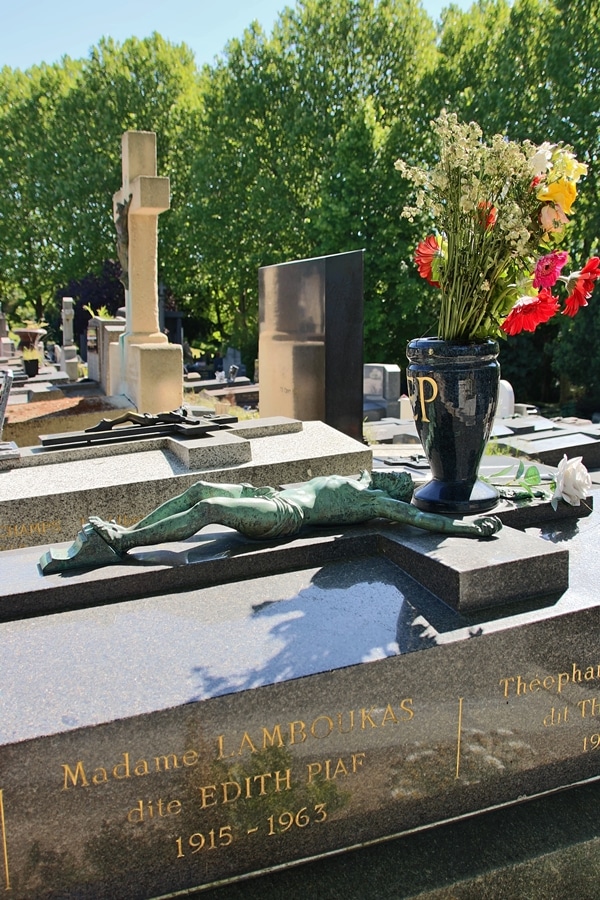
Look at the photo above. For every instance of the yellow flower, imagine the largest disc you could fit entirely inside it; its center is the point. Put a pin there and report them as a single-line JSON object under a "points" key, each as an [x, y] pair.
{"points": [[565, 165], [561, 192]]}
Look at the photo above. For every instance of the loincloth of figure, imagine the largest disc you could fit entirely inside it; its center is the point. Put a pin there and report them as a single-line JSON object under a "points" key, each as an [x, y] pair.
{"points": [[289, 516]]}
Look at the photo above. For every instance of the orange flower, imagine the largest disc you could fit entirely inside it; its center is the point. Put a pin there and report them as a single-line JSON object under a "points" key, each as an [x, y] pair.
{"points": [[425, 254], [487, 214]]}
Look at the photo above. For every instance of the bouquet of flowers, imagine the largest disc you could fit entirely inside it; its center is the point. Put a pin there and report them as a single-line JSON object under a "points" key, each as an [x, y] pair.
{"points": [[501, 214]]}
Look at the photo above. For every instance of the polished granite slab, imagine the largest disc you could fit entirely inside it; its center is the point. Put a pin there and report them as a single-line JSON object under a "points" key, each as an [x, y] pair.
{"points": [[183, 738]]}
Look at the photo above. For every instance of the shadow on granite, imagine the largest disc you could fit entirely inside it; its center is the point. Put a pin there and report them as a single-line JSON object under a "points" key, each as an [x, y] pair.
{"points": [[545, 849]]}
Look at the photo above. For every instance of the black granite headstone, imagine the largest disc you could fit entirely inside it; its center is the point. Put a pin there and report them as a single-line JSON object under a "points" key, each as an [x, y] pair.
{"points": [[311, 340]]}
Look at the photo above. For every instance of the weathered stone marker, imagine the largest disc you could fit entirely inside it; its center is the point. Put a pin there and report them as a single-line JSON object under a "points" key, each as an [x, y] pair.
{"points": [[149, 368], [67, 354]]}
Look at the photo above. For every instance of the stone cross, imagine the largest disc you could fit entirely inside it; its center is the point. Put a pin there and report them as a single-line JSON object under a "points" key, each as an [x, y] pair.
{"points": [[67, 354], [143, 196], [67, 321], [143, 365]]}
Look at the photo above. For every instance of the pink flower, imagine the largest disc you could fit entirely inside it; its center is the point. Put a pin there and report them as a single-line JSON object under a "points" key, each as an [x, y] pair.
{"points": [[548, 269], [552, 218], [529, 312]]}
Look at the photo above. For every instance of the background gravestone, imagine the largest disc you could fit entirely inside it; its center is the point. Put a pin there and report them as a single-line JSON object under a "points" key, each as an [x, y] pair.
{"points": [[381, 389], [311, 338]]}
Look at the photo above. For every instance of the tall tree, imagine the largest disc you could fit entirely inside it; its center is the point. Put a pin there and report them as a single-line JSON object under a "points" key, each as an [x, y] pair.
{"points": [[60, 133], [31, 229], [295, 150]]}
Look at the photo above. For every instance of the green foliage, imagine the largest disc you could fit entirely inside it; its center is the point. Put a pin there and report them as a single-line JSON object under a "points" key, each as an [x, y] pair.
{"points": [[284, 149]]}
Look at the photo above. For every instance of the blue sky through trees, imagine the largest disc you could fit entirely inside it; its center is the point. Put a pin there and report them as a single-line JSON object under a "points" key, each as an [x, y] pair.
{"points": [[35, 31]]}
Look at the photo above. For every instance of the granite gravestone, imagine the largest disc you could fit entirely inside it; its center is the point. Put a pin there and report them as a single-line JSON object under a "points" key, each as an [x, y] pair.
{"points": [[268, 703], [381, 391], [311, 339]]}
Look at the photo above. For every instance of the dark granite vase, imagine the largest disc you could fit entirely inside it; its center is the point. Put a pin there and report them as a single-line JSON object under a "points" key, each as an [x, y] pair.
{"points": [[453, 390]]}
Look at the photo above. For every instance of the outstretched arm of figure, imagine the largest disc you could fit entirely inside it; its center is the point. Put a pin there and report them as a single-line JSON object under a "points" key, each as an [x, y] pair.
{"points": [[397, 511]]}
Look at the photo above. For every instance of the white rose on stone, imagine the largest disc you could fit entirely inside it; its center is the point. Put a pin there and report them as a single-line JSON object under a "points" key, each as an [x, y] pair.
{"points": [[573, 482]]}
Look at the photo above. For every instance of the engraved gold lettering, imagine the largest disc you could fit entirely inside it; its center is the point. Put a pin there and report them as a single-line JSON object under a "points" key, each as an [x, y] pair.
{"points": [[340, 769], [521, 686], [275, 735], [238, 790], [261, 781], [122, 769], [74, 776], [320, 728], [556, 717], [389, 715], [328, 723], [301, 730], [563, 679], [4, 843], [252, 786], [246, 741], [351, 723], [208, 795], [221, 754], [366, 717], [406, 706], [330, 769], [314, 769], [190, 758], [141, 768], [100, 775], [357, 760], [589, 708], [165, 760], [149, 809], [286, 781]]}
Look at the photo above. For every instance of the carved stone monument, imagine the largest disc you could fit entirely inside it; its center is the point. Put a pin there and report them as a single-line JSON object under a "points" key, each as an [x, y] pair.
{"points": [[311, 340], [144, 366], [7, 348], [67, 354]]}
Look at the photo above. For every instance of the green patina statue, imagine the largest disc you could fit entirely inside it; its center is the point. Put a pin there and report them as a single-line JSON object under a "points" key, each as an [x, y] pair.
{"points": [[263, 514]]}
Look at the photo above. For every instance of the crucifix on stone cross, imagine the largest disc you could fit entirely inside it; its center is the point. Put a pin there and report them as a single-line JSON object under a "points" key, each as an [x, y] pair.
{"points": [[136, 207], [143, 365]]}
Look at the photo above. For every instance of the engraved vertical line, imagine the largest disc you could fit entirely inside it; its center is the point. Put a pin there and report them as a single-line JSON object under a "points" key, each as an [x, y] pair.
{"points": [[4, 844], [458, 737]]}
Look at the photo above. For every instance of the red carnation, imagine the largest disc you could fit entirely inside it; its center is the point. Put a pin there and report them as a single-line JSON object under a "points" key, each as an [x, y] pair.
{"points": [[529, 312]]}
